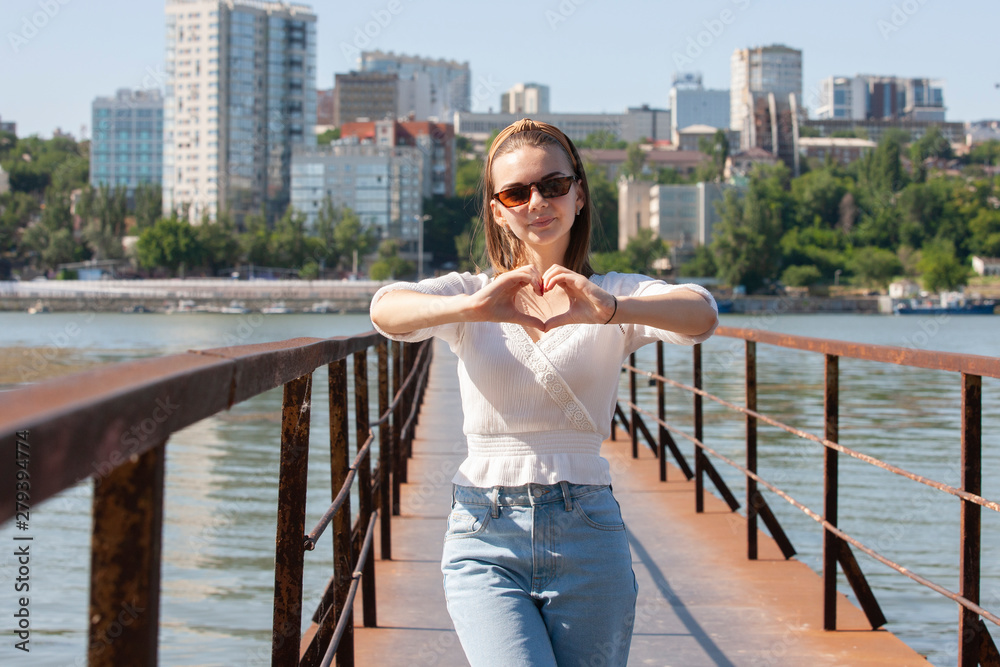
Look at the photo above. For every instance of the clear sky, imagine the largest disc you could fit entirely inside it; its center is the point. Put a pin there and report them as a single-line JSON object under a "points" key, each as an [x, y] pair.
{"points": [[56, 56]]}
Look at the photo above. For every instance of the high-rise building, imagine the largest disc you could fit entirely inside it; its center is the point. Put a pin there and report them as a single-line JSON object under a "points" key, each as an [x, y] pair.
{"points": [[382, 184], [429, 89], [324, 109], [525, 98], [757, 72], [868, 97], [8, 126], [126, 146], [691, 104], [364, 96], [240, 94]]}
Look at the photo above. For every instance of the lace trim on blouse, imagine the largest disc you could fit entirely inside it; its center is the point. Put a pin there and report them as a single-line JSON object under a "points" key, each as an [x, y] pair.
{"points": [[547, 375]]}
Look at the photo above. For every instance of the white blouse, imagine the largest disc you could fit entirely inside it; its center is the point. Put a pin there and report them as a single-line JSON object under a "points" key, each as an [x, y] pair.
{"points": [[538, 412]]}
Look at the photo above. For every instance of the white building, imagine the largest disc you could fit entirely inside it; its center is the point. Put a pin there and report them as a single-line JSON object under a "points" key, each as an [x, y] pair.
{"points": [[756, 72], [986, 266], [383, 184], [636, 124], [525, 98], [428, 88], [843, 97], [682, 215], [4, 182], [870, 97], [240, 93], [691, 104]]}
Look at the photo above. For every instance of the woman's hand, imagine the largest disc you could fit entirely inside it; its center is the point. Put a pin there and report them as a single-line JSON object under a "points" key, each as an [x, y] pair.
{"points": [[497, 301], [588, 303]]}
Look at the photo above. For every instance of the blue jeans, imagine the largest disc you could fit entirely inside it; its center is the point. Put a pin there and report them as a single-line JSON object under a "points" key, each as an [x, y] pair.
{"points": [[539, 575]]}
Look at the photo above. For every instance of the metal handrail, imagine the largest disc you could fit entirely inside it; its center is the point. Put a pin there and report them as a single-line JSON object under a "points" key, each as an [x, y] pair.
{"points": [[84, 419], [975, 642]]}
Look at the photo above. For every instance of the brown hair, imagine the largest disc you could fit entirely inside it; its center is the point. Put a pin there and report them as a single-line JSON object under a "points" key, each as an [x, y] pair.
{"points": [[505, 251]]}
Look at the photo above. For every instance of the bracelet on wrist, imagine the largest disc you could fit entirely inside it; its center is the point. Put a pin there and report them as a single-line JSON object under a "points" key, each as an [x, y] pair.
{"points": [[615, 311]]}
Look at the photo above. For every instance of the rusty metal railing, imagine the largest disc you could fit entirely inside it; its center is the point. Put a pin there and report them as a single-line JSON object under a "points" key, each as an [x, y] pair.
{"points": [[976, 645], [82, 423]]}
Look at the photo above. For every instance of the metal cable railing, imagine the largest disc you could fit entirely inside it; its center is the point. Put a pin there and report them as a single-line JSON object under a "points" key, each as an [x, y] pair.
{"points": [[976, 644]]}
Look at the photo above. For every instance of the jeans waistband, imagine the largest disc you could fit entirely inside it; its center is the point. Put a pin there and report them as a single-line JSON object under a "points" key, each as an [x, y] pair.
{"points": [[529, 494]]}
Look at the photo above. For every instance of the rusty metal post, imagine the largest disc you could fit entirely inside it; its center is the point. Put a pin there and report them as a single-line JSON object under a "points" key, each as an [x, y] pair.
{"points": [[699, 456], [340, 461], [751, 396], [969, 625], [661, 412], [289, 547], [408, 393], [632, 429], [397, 424], [831, 543], [384, 453], [126, 545], [366, 499]]}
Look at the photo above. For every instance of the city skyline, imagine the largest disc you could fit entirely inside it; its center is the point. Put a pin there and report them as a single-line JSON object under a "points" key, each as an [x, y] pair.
{"points": [[595, 57]]}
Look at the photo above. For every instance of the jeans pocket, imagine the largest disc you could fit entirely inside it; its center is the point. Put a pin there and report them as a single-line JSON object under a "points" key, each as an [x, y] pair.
{"points": [[600, 510], [467, 520]]}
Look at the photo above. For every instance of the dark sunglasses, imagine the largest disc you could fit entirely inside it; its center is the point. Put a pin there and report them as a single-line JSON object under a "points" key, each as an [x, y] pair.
{"points": [[556, 186]]}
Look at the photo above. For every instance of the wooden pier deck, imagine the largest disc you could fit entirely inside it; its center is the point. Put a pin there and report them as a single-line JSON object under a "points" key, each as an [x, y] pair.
{"points": [[701, 602]]}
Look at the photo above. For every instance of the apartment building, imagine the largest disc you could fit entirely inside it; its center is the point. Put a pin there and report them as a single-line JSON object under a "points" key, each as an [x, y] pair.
{"points": [[756, 73], [240, 94], [126, 145]]}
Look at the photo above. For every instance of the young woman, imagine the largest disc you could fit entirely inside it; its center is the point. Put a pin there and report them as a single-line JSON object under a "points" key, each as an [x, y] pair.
{"points": [[537, 567]]}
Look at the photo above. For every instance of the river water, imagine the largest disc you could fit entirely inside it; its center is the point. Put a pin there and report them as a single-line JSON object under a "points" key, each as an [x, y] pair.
{"points": [[221, 472]]}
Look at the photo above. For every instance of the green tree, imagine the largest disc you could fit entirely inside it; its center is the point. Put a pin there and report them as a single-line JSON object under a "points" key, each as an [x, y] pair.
{"points": [[470, 247], [291, 246], [939, 267], [933, 144], [801, 275], [635, 162], [606, 262], [256, 241], [987, 153], [702, 265], [643, 249], [171, 244], [717, 150], [604, 211], [351, 236], [985, 233], [448, 217], [328, 136], [874, 267], [467, 177], [746, 239], [602, 139], [389, 264], [219, 244], [148, 204], [327, 251]]}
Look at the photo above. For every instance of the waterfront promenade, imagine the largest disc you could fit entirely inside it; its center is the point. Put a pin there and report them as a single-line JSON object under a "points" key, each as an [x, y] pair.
{"points": [[701, 602]]}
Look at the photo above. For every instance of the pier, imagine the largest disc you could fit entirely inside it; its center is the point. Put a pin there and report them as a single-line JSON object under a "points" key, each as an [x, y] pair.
{"points": [[714, 588]]}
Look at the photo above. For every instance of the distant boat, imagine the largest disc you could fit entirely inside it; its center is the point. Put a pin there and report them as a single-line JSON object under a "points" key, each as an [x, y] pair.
{"points": [[39, 308], [277, 308], [918, 307], [725, 305], [138, 308], [183, 306], [235, 308], [323, 307]]}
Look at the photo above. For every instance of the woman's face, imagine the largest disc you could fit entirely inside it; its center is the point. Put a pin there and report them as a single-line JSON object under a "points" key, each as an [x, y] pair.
{"points": [[541, 224]]}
